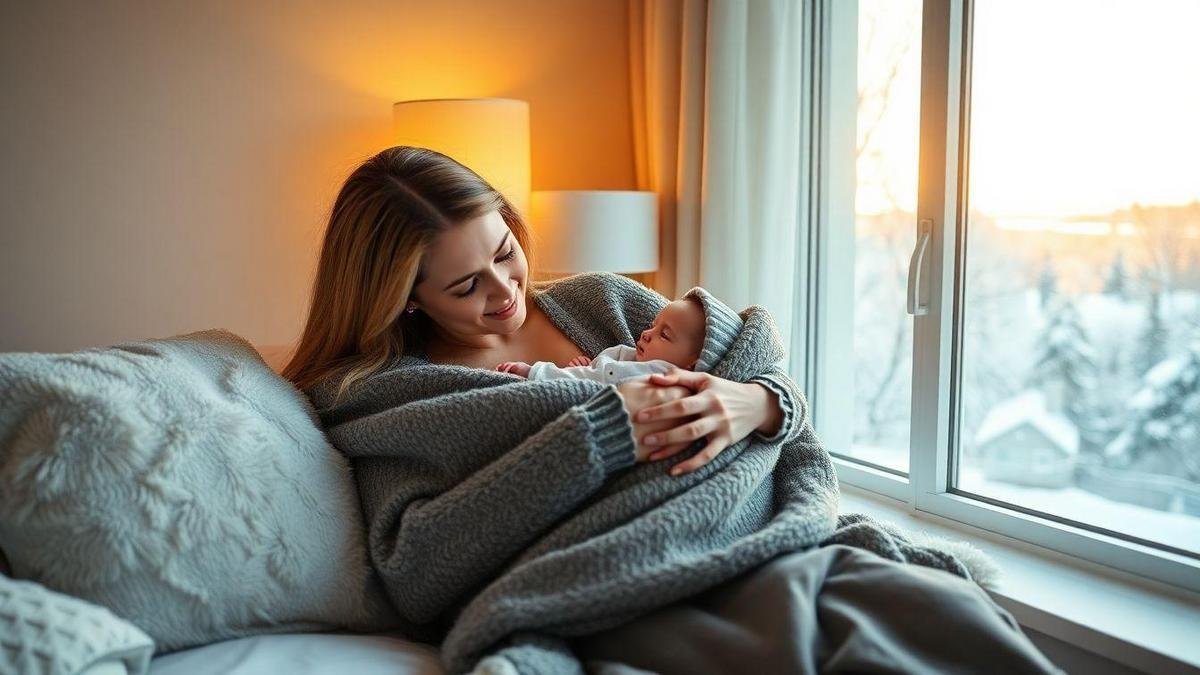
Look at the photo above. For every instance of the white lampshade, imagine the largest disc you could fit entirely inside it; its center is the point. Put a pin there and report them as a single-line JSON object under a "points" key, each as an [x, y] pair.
{"points": [[488, 135], [595, 230]]}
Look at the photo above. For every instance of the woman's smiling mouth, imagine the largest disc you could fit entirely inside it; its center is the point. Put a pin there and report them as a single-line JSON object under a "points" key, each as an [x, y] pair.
{"points": [[505, 313]]}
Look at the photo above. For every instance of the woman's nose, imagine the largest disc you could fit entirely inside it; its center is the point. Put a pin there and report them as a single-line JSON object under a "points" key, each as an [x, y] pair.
{"points": [[501, 288]]}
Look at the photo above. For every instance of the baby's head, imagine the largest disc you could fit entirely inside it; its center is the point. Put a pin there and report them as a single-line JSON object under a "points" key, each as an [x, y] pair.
{"points": [[677, 334]]}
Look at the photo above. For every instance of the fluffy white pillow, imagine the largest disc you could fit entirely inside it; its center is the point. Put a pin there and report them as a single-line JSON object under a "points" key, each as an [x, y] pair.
{"points": [[47, 633], [184, 485]]}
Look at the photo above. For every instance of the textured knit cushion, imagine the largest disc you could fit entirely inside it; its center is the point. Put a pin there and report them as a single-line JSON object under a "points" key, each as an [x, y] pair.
{"points": [[185, 486], [47, 633]]}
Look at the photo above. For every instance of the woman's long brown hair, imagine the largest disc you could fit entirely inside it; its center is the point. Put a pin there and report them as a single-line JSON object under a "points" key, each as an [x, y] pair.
{"points": [[385, 217]]}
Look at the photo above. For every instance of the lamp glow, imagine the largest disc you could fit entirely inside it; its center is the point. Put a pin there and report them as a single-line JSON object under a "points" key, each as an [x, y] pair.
{"points": [[488, 135]]}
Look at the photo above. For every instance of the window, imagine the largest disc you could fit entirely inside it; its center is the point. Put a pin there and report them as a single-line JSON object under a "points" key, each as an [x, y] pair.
{"points": [[873, 124], [1007, 230], [887, 97], [1082, 264]]}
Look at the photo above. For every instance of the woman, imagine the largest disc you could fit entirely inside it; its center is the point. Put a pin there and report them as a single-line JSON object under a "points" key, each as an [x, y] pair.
{"points": [[422, 288], [464, 300]]}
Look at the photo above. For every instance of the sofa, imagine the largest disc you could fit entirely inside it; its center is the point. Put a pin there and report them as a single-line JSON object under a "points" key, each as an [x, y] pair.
{"points": [[172, 506]]}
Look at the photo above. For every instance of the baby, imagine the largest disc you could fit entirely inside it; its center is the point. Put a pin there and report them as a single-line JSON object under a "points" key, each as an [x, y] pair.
{"points": [[675, 338]]}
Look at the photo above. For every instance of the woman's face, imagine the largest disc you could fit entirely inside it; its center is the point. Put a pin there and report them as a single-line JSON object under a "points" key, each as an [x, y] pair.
{"points": [[474, 279]]}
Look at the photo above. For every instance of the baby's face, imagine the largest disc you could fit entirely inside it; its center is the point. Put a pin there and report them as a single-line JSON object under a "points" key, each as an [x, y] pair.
{"points": [[676, 335]]}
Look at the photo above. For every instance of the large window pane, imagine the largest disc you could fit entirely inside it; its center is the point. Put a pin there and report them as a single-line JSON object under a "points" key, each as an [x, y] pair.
{"points": [[885, 159], [1080, 372]]}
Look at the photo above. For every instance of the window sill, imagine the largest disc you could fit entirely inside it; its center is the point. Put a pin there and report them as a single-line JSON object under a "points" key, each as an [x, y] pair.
{"points": [[1134, 621]]}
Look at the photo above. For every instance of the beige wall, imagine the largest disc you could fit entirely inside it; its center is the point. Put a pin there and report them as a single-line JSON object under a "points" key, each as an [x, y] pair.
{"points": [[168, 166]]}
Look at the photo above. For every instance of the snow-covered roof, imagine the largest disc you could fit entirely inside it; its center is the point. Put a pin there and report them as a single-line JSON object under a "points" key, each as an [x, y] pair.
{"points": [[1029, 407]]}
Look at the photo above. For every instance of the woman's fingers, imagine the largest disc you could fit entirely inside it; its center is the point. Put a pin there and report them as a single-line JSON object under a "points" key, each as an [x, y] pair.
{"points": [[688, 378], [712, 449], [683, 407], [682, 434], [637, 394], [723, 411], [667, 378]]}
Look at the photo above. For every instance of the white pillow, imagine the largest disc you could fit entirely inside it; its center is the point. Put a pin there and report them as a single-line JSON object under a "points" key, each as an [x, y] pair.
{"points": [[47, 633], [184, 485]]}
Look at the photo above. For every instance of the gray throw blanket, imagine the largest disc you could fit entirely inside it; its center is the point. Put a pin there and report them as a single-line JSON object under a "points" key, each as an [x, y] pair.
{"points": [[506, 515]]}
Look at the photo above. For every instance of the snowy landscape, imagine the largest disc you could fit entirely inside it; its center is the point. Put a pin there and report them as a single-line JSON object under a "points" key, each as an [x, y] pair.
{"points": [[1086, 344], [1079, 322]]}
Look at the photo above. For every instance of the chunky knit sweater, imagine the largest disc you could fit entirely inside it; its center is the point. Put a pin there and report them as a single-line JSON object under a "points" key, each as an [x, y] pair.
{"points": [[505, 514]]}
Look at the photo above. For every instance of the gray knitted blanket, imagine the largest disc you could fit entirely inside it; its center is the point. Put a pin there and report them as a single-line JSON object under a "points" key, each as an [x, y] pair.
{"points": [[507, 515]]}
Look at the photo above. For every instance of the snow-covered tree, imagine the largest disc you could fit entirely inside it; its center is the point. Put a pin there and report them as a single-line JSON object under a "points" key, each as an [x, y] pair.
{"points": [[1047, 283], [1191, 273], [1116, 282], [1152, 343], [1064, 366], [1163, 432]]}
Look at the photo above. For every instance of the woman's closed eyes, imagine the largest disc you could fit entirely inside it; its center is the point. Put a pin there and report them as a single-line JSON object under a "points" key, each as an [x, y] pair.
{"points": [[512, 253]]}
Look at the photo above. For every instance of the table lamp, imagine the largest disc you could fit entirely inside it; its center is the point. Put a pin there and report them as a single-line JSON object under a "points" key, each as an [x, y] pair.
{"points": [[488, 135], [595, 230]]}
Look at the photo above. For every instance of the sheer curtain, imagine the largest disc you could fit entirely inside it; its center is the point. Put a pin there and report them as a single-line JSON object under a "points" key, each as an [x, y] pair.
{"points": [[716, 110]]}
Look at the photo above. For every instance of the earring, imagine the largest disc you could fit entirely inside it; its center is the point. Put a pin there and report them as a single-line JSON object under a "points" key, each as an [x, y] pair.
{"points": [[410, 310]]}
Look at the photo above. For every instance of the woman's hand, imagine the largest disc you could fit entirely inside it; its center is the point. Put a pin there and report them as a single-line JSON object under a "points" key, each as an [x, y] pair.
{"points": [[638, 394], [721, 410]]}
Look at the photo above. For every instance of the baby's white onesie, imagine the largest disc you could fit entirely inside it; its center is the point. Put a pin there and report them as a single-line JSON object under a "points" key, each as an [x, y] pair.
{"points": [[610, 366]]}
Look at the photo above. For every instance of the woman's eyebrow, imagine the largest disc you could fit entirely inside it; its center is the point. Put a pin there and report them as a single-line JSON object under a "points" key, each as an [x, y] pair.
{"points": [[463, 278]]}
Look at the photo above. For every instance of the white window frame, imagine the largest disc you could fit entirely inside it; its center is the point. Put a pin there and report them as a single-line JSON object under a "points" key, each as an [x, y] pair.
{"points": [[825, 322]]}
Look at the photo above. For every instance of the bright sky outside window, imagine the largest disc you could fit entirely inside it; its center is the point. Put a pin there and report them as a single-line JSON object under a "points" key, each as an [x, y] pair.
{"points": [[1081, 330]]}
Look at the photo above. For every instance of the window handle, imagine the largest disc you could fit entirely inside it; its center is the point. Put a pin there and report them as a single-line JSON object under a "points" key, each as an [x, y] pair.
{"points": [[918, 305]]}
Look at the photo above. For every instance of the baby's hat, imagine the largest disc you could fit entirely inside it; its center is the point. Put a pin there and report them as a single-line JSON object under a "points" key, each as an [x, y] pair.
{"points": [[721, 327]]}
